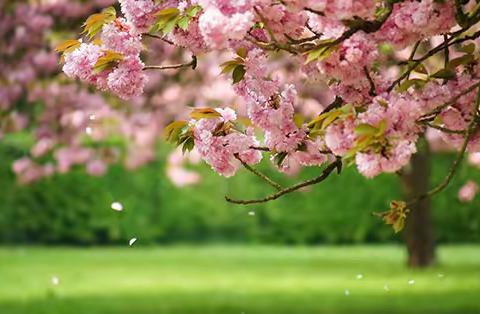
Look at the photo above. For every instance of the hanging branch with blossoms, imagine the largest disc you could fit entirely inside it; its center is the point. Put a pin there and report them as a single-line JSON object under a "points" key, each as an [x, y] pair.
{"points": [[381, 103]]}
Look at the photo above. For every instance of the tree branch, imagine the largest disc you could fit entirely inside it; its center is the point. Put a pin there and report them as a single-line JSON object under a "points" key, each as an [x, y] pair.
{"points": [[259, 174], [373, 91], [432, 114], [325, 173], [159, 37], [432, 52], [192, 64]]}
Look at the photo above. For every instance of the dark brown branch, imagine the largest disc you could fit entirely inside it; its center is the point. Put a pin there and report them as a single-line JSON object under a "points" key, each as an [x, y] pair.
{"points": [[412, 54], [160, 38], [314, 11], [432, 52], [373, 91], [259, 174], [336, 103], [444, 130], [192, 64], [264, 149], [325, 173]]}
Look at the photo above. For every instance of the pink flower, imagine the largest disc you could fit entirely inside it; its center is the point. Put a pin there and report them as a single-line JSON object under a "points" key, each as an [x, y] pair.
{"points": [[128, 79], [217, 29], [96, 167], [139, 13], [120, 37], [79, 63], [468, 191]]}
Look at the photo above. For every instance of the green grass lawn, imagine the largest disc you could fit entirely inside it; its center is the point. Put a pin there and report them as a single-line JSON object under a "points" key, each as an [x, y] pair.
{"points": [[236, 279]]}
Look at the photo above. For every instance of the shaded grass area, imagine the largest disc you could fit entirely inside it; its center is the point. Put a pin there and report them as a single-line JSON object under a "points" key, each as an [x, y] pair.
{"points": [[236, 279]]}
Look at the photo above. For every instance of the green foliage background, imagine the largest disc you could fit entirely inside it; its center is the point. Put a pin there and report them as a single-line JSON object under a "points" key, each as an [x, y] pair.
{"points": [[75, 208]]}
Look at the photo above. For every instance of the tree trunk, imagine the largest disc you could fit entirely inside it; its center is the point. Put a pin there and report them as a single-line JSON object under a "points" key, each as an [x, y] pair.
{"points": [[418, 233]]}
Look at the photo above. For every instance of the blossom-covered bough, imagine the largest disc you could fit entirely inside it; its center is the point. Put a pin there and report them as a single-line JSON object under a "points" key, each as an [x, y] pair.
{"points": [[394, 70]]}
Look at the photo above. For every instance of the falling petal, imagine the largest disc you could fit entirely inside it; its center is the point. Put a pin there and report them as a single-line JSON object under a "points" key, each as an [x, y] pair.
{"points": [[359, 276], [347, 292], [251, 213], [386, 287], [132, 241], [117, 206], [55, 280], [411, 282], [88, 130], [92, 117], [440, 275]]}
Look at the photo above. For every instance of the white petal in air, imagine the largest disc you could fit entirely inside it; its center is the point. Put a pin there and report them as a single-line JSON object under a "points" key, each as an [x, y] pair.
{"points": [[132, 241], [359, 276], [252, 213], [347, 292], [55, 280], [117, 206], [88, 130], [386, 287], [411, 282]]}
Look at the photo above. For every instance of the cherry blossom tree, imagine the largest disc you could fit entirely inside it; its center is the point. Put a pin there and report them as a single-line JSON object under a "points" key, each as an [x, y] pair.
{"points": [[380, 75]]}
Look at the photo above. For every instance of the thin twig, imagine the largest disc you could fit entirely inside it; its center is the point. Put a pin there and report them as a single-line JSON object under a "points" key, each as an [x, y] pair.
{"points": [[261, 148], [317, 12], [373, 91], [325, 173], [336, 103], [444, 130], [192, 64], [432, 114], [412, 54], [259, 174], [432, 52], [159, 37]]}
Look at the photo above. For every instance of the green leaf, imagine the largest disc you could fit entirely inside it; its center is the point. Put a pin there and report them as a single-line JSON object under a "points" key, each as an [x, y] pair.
{"points": [[172, 131], [109, 60], [188, 144], [468, 48], [238, 73], [168, 12], [366, 129], [169, 26], [204, 113], [396, 216], [324, 51], [420, 68], [463, 60], [242, 52], [278, 158], [183, 22], [193, 10], [95, 22], [416, 82], [445, 73]]}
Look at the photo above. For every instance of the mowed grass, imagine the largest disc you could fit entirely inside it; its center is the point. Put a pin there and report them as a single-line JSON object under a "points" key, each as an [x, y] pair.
{"points": [[235, 279]]}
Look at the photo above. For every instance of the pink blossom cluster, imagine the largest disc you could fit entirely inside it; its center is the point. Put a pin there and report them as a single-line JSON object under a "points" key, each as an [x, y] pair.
{"points": [[217, 28], [344, 9], [139, 13], [269, 42], [220, 150], [127, 78], [468, 191], [416, 20]]}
